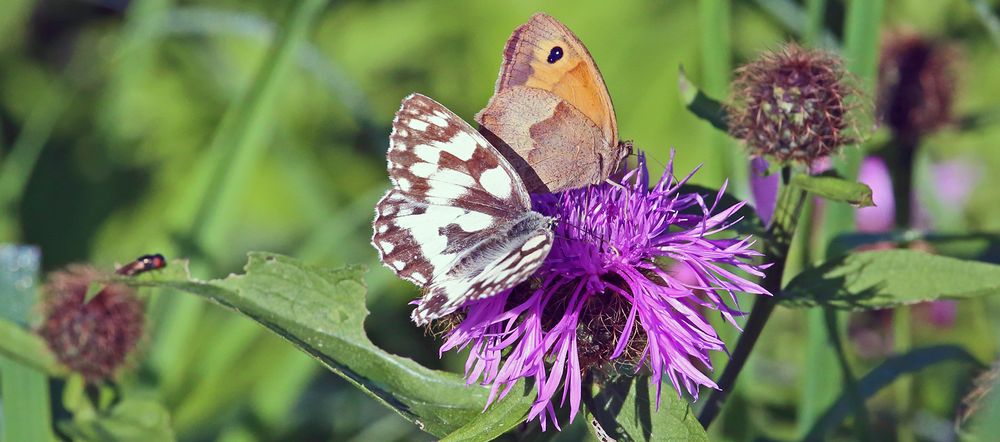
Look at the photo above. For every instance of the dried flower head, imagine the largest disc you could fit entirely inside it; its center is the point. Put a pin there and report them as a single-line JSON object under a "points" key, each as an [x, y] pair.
{"points": [[916, 86], [982, 386], [791, 105], [96, 337], [607, 296]]}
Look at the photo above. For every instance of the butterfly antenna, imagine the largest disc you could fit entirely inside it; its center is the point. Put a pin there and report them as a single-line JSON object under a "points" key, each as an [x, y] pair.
{"points": [[590, 234]]}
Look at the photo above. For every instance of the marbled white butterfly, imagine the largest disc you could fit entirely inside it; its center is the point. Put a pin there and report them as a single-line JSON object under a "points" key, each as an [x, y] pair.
{"points": [[458, 219]]}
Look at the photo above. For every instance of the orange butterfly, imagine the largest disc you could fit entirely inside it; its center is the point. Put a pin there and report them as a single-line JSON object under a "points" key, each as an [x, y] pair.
{"points": [[551, 115]]}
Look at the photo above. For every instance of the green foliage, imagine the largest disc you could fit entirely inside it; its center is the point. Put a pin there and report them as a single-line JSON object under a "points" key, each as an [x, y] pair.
{"points": [[889, 278], [881, 376], [29, 349], [128, 420], [322, 312], [499, 418], [206, 129], [24, 358], [701, 105], [835, 188], [626, 409]]}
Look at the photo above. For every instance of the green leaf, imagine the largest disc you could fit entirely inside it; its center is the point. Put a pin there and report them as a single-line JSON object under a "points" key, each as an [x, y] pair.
{"points": [[883, 375], [132, 420], [701, 105], [968, 245], [800, 21], [499, 418], [625, 409], [322, 312], [29, 349], [835, 188], [889, 278]]}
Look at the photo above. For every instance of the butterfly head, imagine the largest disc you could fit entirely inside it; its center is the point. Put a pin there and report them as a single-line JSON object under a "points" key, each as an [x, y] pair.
{"points": [[626, 147]]}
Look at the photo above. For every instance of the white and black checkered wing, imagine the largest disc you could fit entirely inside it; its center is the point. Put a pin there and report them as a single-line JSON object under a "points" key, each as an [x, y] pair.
{"points": [[458, 220]]}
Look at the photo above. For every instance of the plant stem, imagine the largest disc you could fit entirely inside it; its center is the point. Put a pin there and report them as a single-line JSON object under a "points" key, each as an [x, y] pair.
{"points": [[902, 158], [715, 22], [779, 237], [862, 428]]}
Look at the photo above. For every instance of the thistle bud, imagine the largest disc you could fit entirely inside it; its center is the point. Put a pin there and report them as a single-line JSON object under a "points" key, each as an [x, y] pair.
{"points": [[791, 105], [916, 86], [92, 338]]}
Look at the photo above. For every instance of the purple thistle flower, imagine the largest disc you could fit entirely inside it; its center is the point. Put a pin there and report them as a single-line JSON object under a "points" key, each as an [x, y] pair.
{"points": [[607, 295]]}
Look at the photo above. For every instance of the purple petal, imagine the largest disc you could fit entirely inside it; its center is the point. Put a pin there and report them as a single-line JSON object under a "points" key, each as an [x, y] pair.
{"points": [[764, 188], [882, 217]]}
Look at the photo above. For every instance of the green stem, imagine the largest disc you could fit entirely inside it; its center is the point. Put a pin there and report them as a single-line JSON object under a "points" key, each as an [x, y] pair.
{"points": [[714, 19], [902, 154], [786, 216], [862, 426], [240, 137], [861, 44], [904, 385], [205, 212], [26, 415], [815, 13]]}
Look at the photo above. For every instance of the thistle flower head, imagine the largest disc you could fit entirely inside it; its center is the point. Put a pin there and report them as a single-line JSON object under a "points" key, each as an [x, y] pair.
{"points": [[791, 105], [916, 86], [607, 297], [92, 338]]}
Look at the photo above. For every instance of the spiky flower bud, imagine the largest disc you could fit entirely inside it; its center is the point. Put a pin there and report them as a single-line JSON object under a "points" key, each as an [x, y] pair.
{"points": [[92, 338], [916, 86], [791, 105]]}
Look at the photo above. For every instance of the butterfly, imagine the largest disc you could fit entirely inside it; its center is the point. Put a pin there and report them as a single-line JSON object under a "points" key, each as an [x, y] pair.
{"points": [[457, 220], [143, 264], [551, 115]]}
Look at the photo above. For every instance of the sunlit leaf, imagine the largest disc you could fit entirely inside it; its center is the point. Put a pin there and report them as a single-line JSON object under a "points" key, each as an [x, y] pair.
{"points": [[498, 419], [889, 278], [322, 311]]}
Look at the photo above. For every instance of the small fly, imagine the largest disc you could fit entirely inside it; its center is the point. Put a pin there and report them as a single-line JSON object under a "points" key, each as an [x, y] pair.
{"points": [[144, 263]]}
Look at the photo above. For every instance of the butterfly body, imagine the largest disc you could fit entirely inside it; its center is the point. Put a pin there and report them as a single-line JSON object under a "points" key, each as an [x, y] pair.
{"points": [[458, 220], [552, 110]]}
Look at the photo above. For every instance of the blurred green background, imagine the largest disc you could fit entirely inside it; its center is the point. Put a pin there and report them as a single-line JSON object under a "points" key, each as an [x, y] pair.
{"points": [[206, 129]]}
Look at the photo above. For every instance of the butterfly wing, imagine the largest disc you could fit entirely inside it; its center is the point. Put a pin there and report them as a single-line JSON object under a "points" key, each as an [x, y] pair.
{"points": [[550, 143], [458, 220], [531, 58], [551, 114]]}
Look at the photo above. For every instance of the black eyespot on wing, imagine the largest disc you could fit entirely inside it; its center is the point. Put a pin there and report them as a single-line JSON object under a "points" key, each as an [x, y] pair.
{"points": [[555, 54]]}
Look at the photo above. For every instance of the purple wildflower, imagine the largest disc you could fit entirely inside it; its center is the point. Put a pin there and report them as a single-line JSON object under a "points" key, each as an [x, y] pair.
{"points": [[764, 189], [608, 296]]}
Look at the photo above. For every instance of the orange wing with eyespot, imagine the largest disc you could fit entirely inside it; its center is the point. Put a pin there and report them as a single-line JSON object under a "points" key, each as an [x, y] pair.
{"points": [[544, 54]]}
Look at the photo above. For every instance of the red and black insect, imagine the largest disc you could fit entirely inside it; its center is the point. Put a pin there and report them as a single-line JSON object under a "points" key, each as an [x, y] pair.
{"points": [[144, 263]]}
